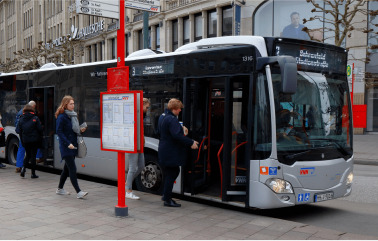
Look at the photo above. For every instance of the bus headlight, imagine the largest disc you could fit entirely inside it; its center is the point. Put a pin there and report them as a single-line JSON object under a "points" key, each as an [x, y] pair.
{"points": [[279, 185], [349, 179]]}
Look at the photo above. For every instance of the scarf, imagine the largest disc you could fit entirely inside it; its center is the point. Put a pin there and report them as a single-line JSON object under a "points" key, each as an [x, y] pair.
{"points": [[74, 120]]}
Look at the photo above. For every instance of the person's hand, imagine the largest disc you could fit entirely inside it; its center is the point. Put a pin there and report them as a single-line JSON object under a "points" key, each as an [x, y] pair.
{"points": [[185, 130], [71, 146], [195, 145], [83, 129]]}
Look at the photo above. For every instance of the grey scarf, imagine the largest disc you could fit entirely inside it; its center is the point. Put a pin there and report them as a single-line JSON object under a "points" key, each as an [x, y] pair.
{"points": [[74, 120]]}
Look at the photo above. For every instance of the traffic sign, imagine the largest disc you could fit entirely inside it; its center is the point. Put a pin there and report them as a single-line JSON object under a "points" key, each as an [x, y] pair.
{"points": [[101, 8], [349, 70], [145, 5]]}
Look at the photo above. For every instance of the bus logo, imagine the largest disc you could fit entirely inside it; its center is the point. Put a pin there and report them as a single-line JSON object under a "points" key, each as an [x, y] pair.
{"points": [[308, 171], [240, 179], [268, 170]]}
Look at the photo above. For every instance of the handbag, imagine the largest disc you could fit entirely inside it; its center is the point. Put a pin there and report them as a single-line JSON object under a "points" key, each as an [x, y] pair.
{"points": [[81, 147]]}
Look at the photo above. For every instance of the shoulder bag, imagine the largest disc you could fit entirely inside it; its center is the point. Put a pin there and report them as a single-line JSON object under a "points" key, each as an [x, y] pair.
{"points": [[81, 147]]}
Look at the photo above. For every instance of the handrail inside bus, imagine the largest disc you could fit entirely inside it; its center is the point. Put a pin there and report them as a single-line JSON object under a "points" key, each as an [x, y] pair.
{"points": [[220, 167], [199, 149]]}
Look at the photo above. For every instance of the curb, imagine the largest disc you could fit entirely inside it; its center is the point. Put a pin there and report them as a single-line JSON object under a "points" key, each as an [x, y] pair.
{"points": [[366, 162]]}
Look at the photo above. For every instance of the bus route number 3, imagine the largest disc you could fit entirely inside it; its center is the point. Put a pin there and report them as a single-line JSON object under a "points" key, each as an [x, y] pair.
{"points": [[247, 58]]}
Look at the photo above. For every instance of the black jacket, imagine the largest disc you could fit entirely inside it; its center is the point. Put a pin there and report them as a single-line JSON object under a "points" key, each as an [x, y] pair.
{"points": [[29, 128], [66, 135], [173, 144]]}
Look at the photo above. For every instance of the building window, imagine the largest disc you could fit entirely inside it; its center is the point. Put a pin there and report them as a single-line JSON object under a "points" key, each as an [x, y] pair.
{"points": [[100, 51], [114, 48], [211, 23], [174, 35], [90, 53], [140, 39], [127, 44], [372, 65], [95, 53], [198, 27], [227, 13], [157, 37], [186, 28]]}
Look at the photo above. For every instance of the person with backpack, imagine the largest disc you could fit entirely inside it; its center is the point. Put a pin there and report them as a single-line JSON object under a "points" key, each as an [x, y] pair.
{"points": [[30, 130]]}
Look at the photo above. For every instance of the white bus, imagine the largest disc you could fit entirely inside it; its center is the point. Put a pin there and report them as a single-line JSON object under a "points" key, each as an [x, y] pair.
{"points": [[272, 116]]}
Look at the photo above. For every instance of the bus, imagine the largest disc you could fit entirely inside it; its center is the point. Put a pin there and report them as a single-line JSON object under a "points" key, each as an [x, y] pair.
{"points": [[272, 116]]}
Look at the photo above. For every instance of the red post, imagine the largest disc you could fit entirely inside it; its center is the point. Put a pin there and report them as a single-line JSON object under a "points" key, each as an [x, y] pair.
{"points": [[121, 180], [121, 35]]}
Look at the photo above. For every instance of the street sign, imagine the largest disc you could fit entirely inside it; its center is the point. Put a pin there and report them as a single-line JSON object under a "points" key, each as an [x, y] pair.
{"points": [[145, 5], [101, 8], [349, 70]]}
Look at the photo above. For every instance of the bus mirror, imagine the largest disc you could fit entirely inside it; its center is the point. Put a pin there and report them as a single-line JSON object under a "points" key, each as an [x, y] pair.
{"points": [[288, 68]]}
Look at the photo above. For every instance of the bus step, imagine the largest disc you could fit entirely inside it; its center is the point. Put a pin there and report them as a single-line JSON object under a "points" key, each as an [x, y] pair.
{"points": [[236, 193]]}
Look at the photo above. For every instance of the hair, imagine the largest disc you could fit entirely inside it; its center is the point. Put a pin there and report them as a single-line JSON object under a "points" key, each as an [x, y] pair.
{"points": [[28, 108], [146, 101], [293, 13], [174, 104], [63, 105], [32, 103]]}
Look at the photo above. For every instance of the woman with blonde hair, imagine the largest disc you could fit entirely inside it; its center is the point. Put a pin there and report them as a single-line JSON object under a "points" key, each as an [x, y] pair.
{"points": [[67, 128]]}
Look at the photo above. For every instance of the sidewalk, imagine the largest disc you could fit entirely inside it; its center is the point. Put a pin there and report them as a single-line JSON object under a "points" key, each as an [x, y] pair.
{"points": [[30, 209], [366, 149]]}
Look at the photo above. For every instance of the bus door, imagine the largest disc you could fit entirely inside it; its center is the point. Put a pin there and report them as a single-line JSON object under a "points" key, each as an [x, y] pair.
{"points": [[44, 98], [215, 110]]}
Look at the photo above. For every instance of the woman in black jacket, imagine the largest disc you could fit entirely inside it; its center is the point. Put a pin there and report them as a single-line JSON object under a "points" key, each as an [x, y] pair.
{"points": [[30, 130]]}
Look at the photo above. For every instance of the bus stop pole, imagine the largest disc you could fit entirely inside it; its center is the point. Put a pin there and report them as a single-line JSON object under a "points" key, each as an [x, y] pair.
{"points": [[121, 209]]}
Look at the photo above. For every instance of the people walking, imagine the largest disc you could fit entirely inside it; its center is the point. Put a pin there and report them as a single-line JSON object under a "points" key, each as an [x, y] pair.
{"points": [[136, 161], [30, 130], [172, 148], [67, 129], [21, 150]]}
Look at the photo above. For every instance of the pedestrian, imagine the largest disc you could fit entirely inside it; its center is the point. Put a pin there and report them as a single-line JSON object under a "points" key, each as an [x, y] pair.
{"points": [[2, 140], [67, 129], [30, 130], [136, 161], [172, 148], [21, 150]]}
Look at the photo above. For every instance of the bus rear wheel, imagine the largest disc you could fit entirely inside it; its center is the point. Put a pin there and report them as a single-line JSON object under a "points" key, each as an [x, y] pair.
{"points": [[12, 149], [151, 178]]}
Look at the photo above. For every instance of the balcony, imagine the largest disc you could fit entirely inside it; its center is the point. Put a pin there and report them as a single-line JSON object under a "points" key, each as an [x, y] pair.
{"points": [[174, 4], [139, 16]]}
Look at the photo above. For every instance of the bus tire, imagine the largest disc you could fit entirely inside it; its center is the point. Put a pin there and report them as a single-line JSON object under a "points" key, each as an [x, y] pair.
{"points": [[151, 178], [12, 148]]}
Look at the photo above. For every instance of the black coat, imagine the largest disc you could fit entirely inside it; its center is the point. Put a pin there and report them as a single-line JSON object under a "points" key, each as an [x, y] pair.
{"points": [[29, 128], [173, 144], [66, 135]]}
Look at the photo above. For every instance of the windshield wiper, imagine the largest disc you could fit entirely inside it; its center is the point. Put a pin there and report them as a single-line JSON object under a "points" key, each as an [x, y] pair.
{"points": [[339, 147], [292, 156]]}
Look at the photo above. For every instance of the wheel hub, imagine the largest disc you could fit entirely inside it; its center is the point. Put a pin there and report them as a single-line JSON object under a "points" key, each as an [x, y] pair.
{"points": [[151, 176]]}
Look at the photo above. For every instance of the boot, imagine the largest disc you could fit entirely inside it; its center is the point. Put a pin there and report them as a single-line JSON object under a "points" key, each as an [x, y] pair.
{"points": [[23, 170], [33, 175], [18, 170]]}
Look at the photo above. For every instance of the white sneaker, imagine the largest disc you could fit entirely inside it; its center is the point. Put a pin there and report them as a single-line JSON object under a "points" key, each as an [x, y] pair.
{"points": [[81, 194], [62, 192], [131, 195]]}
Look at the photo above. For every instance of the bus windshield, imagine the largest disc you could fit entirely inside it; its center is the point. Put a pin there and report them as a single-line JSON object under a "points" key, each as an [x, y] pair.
{"points": [[314, 123]]}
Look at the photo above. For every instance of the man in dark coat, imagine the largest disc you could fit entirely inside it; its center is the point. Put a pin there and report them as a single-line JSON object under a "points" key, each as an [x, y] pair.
{"points": [[172, 148], [294, 30]]}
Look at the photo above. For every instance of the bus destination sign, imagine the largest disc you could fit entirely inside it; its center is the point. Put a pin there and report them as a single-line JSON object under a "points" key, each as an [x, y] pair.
{"points": [[155, 68], [314, 59]]}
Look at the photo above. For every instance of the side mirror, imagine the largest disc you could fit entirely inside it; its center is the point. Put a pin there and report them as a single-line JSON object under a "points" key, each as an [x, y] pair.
{"points": [[288, 67]]}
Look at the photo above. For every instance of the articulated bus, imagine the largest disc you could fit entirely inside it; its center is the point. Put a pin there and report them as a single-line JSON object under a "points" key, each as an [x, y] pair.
{"points": [[272, 116]]}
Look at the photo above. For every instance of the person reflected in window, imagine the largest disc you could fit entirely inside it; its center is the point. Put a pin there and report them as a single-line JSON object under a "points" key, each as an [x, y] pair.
{"points": [[294, 30]]}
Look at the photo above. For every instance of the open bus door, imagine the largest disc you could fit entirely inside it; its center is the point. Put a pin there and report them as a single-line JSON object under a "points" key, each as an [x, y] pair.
{"points": [[215, 111], [44, 98]]}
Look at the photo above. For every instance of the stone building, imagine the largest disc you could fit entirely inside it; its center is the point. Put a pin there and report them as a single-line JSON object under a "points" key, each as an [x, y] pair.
{"points": [[24, 23]]}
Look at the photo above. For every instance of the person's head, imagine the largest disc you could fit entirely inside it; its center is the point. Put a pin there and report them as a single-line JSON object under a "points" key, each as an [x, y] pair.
{"points": [[294, 16], [28, 108], [146, 105], [67, 103], [175, 106], [32, 103]]}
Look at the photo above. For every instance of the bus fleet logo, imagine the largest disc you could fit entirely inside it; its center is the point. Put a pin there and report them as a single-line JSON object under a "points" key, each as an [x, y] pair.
{"points": [[268, 170], [308, 171], [240, 179]]}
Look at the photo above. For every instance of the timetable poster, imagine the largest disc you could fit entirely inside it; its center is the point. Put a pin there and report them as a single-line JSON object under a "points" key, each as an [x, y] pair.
{"points": [[119, 122]]}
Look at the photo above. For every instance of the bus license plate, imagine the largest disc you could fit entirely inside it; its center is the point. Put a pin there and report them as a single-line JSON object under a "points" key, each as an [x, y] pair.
{"points": [[323, 196]]}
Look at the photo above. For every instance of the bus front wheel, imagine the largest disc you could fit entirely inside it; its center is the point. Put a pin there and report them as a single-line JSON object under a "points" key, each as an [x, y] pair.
{"points": [[12, 149], [151, 178]]}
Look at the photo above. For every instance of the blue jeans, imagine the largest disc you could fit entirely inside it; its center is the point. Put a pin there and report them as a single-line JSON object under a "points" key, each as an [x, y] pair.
{"points": [[136, 165], [21, 155]]}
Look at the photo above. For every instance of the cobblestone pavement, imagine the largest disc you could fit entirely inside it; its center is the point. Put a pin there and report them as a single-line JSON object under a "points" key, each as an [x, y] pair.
{"points": [[30, 209]]}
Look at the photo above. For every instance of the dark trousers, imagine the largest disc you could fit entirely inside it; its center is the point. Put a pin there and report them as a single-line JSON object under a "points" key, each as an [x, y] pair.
{"points": [[170, 175], [69, 170], [31, 153]]}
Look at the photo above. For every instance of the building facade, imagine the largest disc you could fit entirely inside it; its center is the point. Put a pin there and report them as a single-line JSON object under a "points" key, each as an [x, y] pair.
{"points": [[24, 23]]}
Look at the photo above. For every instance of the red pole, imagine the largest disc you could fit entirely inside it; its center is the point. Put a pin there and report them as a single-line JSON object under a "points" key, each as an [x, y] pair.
{"points": [[121, 35], [121, 180]]}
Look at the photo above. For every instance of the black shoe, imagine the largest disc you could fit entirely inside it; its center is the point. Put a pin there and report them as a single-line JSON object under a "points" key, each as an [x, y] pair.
{"points": [[23, 170], [162, 198], [171, 203], [34, 176]]}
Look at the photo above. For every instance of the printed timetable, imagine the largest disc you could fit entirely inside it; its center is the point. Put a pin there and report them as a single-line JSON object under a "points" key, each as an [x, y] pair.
{"points": [[119, 122]]}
